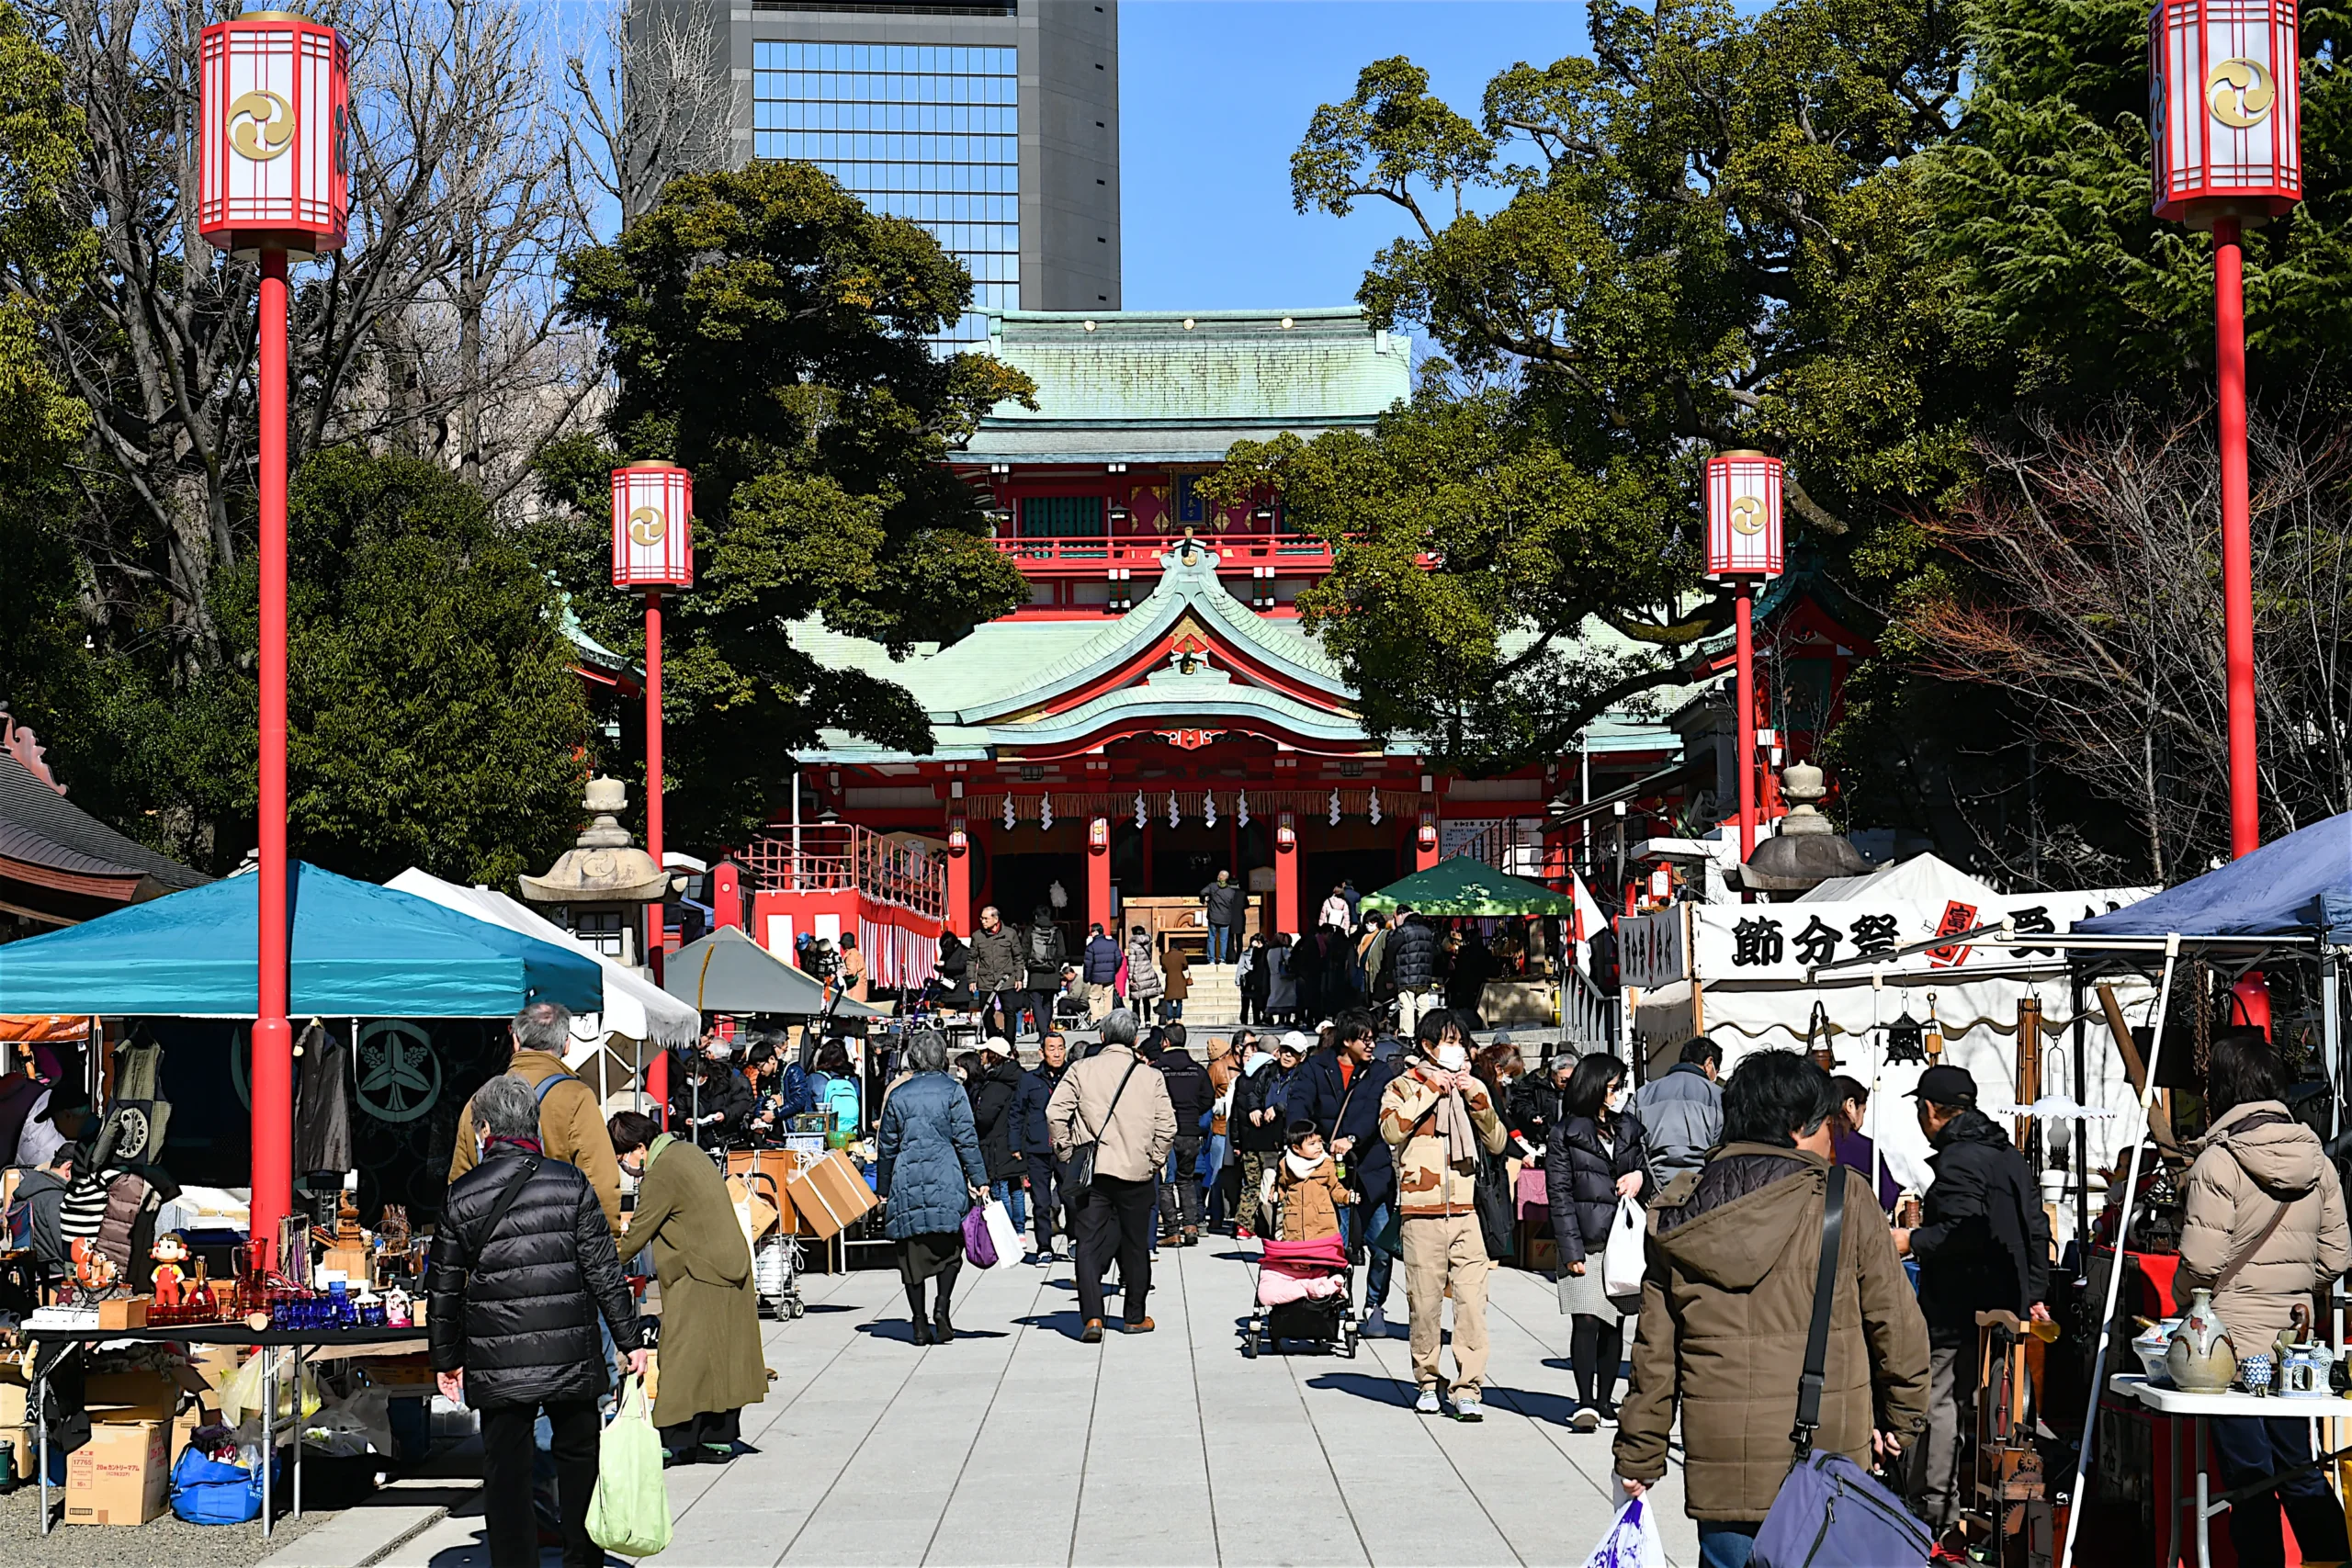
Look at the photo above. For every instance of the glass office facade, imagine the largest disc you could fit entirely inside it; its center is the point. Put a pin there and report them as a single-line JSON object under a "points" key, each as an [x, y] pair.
{"points": [[920, 131]]}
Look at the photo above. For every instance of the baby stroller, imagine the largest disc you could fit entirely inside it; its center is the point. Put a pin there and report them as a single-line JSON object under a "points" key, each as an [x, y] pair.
{"points": [[1303, 1288]]}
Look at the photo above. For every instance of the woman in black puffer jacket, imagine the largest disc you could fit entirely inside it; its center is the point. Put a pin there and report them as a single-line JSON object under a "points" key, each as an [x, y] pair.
{"points": [[514, 1309], [1596, 1155]]}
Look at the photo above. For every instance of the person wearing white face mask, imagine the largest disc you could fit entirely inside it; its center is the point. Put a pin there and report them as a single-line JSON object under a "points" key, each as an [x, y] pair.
{"points": [[1437, 1116], [1595, 1155]]}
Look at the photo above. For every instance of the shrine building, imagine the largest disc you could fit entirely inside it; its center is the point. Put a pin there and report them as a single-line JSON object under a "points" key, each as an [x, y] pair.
{"points": [[1156, 713]]}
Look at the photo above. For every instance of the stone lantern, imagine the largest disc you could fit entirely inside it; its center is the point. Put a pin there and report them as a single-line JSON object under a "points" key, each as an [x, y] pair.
{"points": [[600, 887], [1807, 851]]}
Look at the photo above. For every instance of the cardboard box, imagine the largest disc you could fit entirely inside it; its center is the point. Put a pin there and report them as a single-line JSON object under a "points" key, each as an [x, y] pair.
{"points": [[121, 1476], [121, 1398], [12, 1405], [830, 1196], [216, 1364], [123, 1311]]}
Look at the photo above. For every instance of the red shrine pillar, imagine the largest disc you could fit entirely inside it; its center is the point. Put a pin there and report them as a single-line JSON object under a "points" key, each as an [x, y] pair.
{"points": [[1288, 916], [1098, 876]]}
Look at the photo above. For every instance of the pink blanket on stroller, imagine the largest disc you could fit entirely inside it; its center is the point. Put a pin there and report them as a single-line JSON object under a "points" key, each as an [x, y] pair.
{"points": [[1302, 1271], [1275, 1288]]}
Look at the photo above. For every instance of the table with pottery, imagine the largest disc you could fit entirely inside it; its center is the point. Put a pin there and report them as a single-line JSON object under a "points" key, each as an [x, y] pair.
{"points": [[2193, 1369]]}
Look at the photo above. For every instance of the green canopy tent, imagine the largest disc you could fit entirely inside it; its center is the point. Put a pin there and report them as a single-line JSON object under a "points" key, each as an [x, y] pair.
{"points": [[1460, 885]]}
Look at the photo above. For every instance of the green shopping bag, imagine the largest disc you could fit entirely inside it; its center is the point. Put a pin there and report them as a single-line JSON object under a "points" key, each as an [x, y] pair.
{"points": [[630, 1512]]}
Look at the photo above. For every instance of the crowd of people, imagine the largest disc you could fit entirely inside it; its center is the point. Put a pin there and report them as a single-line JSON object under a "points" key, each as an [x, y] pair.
{"points": [[1405, 1148], [1022, 979]]}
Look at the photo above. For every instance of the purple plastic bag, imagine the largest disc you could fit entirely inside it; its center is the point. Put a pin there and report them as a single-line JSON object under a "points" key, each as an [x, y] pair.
{"points": [[979, 1245]]}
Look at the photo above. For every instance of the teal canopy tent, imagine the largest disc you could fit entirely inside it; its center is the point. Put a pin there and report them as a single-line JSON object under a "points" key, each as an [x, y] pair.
{"points": [[360, 951]]}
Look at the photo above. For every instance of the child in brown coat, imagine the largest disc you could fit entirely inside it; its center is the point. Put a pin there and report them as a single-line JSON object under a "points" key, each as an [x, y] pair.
{"points": [[1307, 1183]]}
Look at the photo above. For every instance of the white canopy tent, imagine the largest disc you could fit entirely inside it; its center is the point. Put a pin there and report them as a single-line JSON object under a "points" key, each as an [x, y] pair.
{"points": [[637, 1011], [1748, 977]]}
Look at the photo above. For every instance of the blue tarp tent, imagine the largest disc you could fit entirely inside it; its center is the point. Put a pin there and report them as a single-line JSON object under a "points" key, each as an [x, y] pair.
{"points": [[360, 951], [2299, 885]]}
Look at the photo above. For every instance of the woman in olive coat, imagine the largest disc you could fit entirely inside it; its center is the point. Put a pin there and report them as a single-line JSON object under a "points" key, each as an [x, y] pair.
{"points": [[711, 1358]]}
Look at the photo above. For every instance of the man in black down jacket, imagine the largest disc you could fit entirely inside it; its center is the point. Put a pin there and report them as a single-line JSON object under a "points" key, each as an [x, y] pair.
{"points": [[1190, 1094], [1410, 960], [1036, 1139], [522, 1263], [1983, 1246]]}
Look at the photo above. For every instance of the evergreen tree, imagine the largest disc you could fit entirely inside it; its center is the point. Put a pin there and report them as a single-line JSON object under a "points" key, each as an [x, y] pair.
{"points": [[771, 335]]}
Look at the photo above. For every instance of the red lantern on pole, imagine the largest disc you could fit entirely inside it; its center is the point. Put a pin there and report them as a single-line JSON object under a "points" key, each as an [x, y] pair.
{"points": [[653, 507], [2225, 113], [273, 94], [1744, 546]]}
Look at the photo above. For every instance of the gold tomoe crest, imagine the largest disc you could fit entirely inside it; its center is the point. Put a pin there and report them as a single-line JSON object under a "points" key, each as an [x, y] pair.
{"points": [[261, 125], [2240, 93], [646, 526], [1747, 515]]}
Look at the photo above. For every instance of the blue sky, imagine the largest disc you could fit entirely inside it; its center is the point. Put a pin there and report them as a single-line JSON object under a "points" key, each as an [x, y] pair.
{"points": [[1214, 97]]}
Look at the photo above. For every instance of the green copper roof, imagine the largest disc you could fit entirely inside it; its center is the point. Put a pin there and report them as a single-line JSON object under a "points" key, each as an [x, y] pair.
{"points": [[1152, 385]]}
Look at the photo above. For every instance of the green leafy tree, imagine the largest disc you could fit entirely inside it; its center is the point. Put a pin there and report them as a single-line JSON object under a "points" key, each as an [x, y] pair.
{"points": [[769, 333], [1701, 238], [435, 718], [2083, 315]]}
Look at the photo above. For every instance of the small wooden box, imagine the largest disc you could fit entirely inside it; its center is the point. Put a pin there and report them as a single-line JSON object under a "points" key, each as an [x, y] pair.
{"points": [[123, 1311]]}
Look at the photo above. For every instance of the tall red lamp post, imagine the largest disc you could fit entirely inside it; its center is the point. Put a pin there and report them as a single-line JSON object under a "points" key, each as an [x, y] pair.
{"points": [[2225, 117], [272, 96], [1744, 550], [653, 506]]}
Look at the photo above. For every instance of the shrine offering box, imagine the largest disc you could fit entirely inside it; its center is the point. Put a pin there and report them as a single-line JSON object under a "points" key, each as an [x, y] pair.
{"points": [[121, 1476], [830, 1196]]}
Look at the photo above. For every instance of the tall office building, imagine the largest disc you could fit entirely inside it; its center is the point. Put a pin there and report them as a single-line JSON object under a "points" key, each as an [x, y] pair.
{"points": [[996, 125]]}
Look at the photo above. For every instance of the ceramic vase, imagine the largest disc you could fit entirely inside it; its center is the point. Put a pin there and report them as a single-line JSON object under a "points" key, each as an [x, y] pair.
{"points": [[2202, 1357]]}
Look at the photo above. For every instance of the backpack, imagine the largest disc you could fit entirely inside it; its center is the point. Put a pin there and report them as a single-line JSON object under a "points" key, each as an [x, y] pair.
{"points": [[840, 1102], [1043, 942]]}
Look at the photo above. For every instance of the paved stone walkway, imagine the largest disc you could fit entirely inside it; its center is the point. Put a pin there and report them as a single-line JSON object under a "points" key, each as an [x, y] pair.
{"points": [[1019, 1445]]}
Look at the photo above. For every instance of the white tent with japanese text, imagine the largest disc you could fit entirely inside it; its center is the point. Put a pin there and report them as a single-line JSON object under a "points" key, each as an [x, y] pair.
{"points": [[1744, 974]]}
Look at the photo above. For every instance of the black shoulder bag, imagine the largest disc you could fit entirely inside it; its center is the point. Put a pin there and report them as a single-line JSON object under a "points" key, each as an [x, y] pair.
{"points": [[1080, 1174]]}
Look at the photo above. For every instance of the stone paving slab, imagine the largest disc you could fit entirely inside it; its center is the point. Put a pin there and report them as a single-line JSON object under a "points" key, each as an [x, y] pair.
{"points": [[1019, 1445]]}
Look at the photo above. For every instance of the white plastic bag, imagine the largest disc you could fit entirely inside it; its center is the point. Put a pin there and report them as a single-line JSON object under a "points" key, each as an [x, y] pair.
{"points": [[1621, 1264], [1632, 1540], [1000, 1232]]}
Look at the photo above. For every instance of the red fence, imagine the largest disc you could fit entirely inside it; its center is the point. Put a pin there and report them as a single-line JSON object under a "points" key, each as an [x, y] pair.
{"points": [[841, 857]]}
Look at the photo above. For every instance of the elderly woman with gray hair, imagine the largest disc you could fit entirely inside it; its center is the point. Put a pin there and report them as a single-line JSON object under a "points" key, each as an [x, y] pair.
{"points": [[930, 1174], [523, 1267]]}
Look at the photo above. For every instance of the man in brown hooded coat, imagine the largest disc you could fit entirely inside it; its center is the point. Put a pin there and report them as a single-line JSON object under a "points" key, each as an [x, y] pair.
{"points": [[1734, 1249]]}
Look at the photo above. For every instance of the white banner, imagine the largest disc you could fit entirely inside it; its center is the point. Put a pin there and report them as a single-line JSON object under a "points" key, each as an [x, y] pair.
{"points": [[1782, 942]]}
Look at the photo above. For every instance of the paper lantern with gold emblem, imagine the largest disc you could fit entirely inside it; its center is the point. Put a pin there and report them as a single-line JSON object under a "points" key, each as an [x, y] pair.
{"points": [[273, 95], [1744, 516], [2225, 114], [653, 507]]}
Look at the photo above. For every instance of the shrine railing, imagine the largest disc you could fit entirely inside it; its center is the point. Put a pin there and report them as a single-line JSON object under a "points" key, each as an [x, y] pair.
{"points": [[840, 857], [1085, 555]]}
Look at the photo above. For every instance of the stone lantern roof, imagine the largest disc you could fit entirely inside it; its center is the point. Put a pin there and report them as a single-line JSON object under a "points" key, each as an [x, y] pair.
{"points": [[1807, 851], [606, 867]]}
